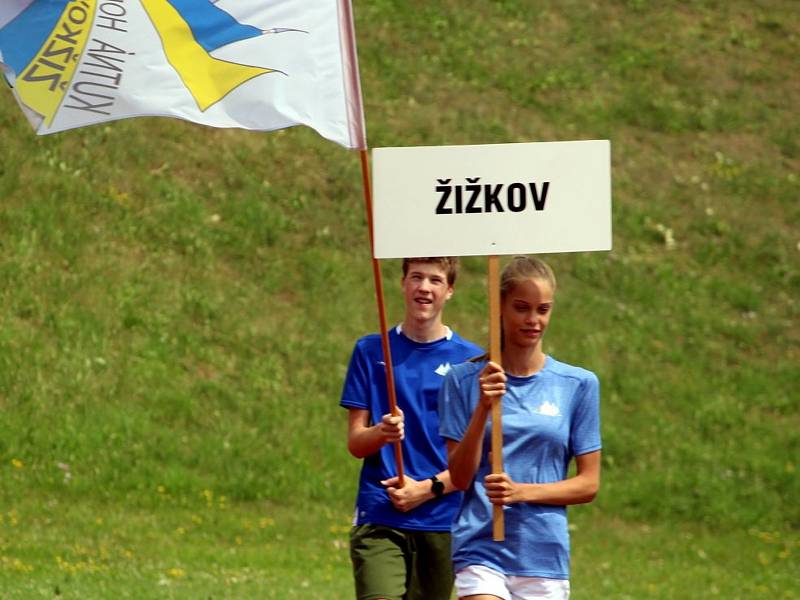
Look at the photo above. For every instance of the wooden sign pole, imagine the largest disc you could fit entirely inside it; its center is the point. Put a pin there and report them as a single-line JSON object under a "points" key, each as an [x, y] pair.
{"points": [[495, 354]]}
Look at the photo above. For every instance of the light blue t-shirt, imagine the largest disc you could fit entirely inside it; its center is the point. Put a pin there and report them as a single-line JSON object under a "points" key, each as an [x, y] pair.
{"points": [[419, 370], [548, 418]]}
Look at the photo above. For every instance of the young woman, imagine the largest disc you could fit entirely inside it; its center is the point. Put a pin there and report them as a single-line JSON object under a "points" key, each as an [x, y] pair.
{"points": [[550, 416]]}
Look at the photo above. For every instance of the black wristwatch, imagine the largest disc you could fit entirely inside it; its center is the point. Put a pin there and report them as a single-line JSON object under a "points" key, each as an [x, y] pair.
{"points": [[437, 487]]}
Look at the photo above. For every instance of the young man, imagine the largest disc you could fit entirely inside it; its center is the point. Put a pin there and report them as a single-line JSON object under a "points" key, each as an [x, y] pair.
{"points": [[400, 541]]}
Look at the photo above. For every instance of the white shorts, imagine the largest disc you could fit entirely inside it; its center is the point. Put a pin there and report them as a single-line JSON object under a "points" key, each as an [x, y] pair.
{"points": [[477, 579]]}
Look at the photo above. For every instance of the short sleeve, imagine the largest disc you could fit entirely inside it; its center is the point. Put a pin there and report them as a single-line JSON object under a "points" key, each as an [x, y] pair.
{"points": [[453, 414], [355, 392], [585, 428]]}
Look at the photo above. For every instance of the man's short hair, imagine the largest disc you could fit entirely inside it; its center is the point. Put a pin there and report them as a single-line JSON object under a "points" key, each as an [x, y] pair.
{"points": [[449, 264]]}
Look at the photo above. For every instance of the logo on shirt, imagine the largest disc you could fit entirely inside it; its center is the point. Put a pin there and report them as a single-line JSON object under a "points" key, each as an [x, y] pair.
{"points": [[443, 369], [548, 409]]}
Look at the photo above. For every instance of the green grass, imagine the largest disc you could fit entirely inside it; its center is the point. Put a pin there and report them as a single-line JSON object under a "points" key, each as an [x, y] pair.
{"points": [[177, 547], [179, 305]]}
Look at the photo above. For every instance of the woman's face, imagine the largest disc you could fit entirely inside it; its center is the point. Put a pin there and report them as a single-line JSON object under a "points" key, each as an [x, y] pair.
{"points": [[526, 312]]}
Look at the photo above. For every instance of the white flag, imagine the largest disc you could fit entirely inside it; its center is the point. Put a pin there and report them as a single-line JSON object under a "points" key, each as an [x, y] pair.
{"points": [[253, 64]]}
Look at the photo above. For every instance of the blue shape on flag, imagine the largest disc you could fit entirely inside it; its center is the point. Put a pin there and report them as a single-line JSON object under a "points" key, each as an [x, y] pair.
{"points": [[212, 27], [23, 37]]}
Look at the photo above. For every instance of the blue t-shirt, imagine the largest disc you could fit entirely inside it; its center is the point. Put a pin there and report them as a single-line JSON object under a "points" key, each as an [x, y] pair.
{"points": [[548, 418], [419, 369]]}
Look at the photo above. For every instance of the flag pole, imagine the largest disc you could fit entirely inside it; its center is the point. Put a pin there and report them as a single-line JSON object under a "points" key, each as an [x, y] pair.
{"points": [[495, 354], [358, 137], [376, 274]]}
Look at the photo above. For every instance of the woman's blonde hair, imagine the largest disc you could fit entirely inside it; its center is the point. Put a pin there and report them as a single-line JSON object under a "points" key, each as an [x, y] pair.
{"points": [[524, 268]]}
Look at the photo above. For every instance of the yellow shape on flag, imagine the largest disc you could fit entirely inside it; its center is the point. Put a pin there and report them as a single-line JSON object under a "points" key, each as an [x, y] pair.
{"points": [[45, 80], [207, 78]]}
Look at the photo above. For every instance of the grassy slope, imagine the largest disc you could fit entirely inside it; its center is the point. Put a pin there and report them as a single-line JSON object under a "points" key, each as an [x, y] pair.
{"points": [[177, 315]]}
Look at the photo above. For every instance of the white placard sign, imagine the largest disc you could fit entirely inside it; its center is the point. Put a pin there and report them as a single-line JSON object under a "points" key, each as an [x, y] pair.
{"points": [[524, 198]]}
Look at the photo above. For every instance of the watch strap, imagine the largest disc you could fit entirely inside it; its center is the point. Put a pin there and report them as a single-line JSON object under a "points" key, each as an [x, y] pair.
{"points": [[437, 487]]}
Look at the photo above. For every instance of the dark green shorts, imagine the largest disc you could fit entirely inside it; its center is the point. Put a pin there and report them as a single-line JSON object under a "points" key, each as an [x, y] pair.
{"points": [[401, 564]]}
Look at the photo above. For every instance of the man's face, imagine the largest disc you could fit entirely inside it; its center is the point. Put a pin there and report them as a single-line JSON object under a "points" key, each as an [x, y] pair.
{"points": [[425, 290]]}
